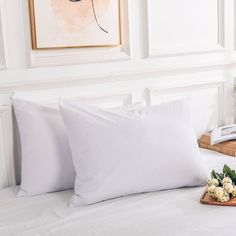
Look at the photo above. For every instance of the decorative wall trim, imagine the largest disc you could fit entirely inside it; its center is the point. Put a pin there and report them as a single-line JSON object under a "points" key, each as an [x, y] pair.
{"points": [[8, 85], [7, 171], [111, 100], [76, 56], [9, 151], [104, 94], [221, 23], [234, 24], [2, 56], [41, 58], [208, 98], [172, 51], [220, 86]]}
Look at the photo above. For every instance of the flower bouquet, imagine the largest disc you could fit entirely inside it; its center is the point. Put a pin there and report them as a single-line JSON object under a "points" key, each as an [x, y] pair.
{"points": [[222, 186]]}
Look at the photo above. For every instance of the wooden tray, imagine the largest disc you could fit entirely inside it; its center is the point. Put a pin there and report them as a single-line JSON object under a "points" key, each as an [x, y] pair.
{"points": [[227, 148], [206, 199]]}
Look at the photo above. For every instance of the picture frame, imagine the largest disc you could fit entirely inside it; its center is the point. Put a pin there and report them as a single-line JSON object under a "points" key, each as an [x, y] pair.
{"points": [[52, 27]]}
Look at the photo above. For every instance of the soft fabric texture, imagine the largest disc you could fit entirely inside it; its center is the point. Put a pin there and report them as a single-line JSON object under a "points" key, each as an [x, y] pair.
{"points": [[122, 152], [176, 212], [46, 157]]}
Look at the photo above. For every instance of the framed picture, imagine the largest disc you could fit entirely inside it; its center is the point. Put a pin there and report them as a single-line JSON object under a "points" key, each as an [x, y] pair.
{"points": [[74, 23]]}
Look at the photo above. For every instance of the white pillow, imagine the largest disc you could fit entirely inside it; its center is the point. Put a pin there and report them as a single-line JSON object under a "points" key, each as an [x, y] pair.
{"points": [[46, 157], [121, 152]]}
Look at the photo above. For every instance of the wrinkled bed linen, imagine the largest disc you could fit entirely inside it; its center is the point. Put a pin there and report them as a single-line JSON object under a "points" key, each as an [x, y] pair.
{"points": [[169, 213]]}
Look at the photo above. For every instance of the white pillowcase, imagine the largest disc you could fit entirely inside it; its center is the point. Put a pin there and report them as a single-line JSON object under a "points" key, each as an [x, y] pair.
{"points": [[121, 152], [46, 157]]}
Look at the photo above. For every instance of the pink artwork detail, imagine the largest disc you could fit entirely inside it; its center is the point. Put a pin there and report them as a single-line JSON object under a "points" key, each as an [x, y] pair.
{"points": [[76, 16]]}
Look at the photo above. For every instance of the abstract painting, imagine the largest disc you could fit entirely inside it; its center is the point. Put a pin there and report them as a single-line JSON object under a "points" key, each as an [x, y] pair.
{"points": [[74, 23]]}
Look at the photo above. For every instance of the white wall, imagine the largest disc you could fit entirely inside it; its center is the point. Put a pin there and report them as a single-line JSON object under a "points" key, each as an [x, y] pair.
{"points": [[175, 46]]}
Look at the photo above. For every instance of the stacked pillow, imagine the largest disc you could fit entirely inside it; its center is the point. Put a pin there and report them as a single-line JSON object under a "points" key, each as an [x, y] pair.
{"points": [[46, 156], [115, 152]]}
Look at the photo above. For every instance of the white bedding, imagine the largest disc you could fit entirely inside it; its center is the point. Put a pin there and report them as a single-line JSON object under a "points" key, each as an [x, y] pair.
{"points": [[172, 212]]}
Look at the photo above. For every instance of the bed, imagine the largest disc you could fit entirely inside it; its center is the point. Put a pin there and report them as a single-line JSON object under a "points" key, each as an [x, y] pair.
{"points": [[171, 212]]}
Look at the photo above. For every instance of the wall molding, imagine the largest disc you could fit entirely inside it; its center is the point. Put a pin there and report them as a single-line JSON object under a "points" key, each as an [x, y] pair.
{"points": [[10, 151], [219, 85], [105, 95], [76, 56], [7, 85], [234, 25], [2, 54], [40, 58], [180, 50], [7, 171], [211, 94], [105, 100]]}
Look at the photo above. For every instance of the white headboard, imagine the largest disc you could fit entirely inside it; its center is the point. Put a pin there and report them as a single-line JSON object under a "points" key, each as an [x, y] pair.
{"points": [[207, 99]]}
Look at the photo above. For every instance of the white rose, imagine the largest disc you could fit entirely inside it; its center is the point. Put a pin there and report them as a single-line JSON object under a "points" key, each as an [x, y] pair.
{"points": [[228, 187], [234, 192], [219, 193], [225, 198], [226, 180], [211, 190], [213, 181]]}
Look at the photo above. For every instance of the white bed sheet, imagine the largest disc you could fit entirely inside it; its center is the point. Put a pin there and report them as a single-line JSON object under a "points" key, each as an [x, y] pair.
{"points": [[173, 212]]}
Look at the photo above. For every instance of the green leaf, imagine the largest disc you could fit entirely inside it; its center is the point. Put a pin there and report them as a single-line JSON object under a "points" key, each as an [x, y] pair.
{"points": [[220, 176], [226, 170], [213, 174], [229, 173], [217, 176]]}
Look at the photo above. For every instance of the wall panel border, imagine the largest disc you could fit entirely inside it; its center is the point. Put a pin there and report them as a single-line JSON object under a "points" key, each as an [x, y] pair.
{"points": [[198, 49], [7, 171], [2, 54], [40, 58]]}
